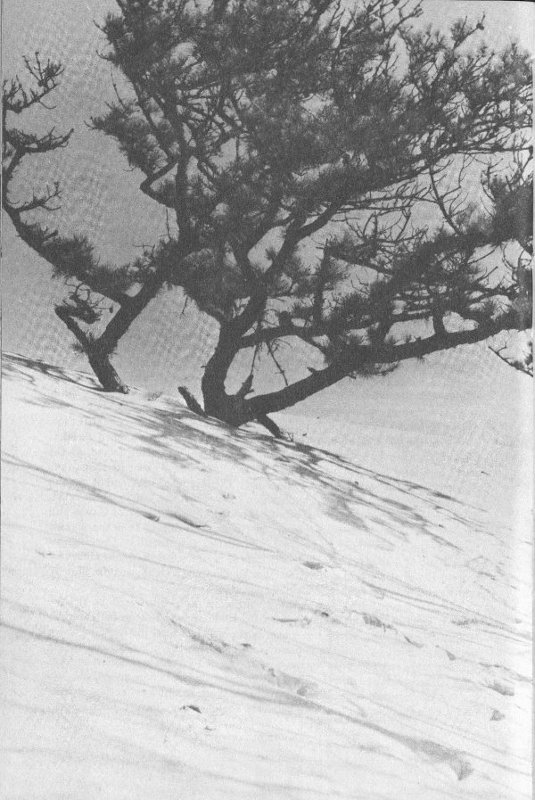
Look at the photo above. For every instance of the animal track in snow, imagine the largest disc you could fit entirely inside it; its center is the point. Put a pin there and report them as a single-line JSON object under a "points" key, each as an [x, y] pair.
{"points": [[369, 619], [502, 688], [286, 681], [313, 565]]}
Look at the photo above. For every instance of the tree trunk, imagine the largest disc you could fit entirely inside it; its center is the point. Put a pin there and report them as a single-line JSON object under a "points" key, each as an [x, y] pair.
{"points": [[191, 402], [271, 426], [217, 403], [129, 311], [98, 357], [106, 373], [234, 409]]}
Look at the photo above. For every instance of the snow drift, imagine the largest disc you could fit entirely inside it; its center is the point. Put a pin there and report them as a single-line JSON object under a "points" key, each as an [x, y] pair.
{"points": [[195, 612]]}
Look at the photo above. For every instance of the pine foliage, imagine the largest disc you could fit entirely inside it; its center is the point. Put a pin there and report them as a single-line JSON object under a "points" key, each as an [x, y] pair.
{"points": [[296, 145]]}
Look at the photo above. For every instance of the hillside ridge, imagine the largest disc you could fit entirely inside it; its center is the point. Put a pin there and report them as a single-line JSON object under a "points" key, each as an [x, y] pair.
{"points": [[218, 614]]}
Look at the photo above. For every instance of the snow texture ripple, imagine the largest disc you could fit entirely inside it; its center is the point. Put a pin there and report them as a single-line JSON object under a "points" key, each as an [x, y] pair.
{"points": [[194, 612]]}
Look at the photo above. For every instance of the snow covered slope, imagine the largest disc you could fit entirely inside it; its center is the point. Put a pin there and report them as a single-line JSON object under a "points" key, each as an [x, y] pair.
{"points": [[191, 612]]}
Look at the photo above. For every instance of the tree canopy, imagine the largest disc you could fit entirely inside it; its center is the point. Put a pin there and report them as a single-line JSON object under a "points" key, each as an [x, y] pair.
{"points": [[314, 158]]}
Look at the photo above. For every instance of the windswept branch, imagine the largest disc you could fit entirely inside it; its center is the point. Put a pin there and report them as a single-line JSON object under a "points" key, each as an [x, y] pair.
{"points": [[354, 360]]}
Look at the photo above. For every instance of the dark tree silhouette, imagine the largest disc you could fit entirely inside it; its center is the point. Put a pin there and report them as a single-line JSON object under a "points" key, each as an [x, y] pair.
{"points": [[93, 284], [296, 144]]}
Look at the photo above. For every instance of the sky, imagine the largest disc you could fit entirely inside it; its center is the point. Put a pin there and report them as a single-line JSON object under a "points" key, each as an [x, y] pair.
{"points": [[101, 196]]}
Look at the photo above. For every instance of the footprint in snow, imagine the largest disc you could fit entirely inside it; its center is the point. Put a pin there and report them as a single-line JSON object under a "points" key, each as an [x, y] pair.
{"points": [[411, 641], [303, 622], [193, 708], [377, 623], [285, 681], [436, 752], [502, 688]]}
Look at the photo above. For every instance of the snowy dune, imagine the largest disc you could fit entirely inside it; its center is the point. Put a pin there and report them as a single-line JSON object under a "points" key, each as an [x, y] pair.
{"points": [[193, 612]]}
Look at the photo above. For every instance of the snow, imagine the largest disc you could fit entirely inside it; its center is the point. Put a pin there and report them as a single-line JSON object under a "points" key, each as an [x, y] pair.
{"points": [[191, 611]]}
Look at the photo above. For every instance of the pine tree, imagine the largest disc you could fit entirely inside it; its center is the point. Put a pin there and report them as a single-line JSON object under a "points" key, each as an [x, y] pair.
{"points": [[94, 285], [271, 130]]}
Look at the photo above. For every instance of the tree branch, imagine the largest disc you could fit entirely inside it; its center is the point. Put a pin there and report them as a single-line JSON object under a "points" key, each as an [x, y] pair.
{"points": [[351, 361], [63, 313]]}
